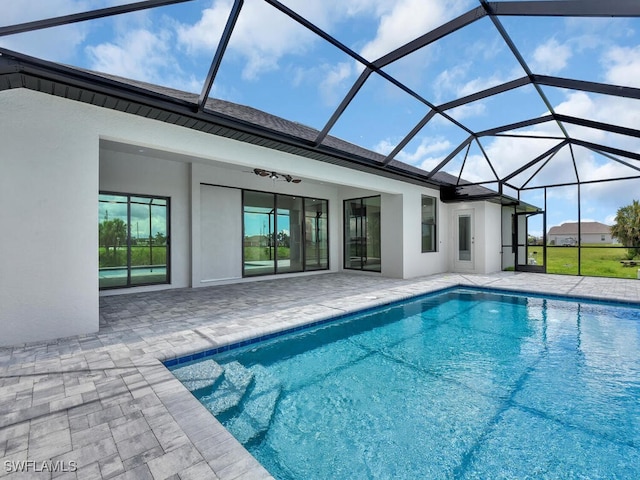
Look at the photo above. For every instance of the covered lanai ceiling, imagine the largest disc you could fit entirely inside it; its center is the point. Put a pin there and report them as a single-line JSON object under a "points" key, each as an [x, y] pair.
{"points": [[507, 95]]}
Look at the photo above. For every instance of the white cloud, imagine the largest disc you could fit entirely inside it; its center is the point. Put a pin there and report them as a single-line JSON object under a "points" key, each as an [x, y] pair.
{"points": [[551, 57], [142, 55], [57, 44], [623, 66], [408, 19], [429, 153], [447, 82], [204, 35], [478, 84], [469, 110], [261, 37], [335, 82]]}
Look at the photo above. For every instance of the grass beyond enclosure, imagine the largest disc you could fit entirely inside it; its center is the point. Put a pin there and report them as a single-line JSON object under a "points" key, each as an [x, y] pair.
{"points": [[265, 253], [140, 256], [596, 261]]}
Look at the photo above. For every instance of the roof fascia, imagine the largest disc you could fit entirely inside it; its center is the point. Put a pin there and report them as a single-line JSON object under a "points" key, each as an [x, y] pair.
{"points": [[12, 63]]}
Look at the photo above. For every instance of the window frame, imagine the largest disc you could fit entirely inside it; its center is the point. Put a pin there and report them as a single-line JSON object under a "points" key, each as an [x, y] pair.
{"points": [[129, 266], [302, 225], [345, 230]]}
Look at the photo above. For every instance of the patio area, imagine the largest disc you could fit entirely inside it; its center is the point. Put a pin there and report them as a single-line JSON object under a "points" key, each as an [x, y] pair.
{"points": [[102, 406]]}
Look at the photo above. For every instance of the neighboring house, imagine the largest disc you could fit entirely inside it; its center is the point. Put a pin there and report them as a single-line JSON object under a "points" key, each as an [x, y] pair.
{"points": [[81, 149], [590, 232]]}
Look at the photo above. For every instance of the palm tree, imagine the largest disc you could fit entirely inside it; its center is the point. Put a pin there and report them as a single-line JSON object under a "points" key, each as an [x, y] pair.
{"points": [[627, 228], [112, 233]]}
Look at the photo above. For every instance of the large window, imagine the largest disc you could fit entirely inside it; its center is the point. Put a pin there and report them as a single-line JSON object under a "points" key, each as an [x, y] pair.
{"points": [[133, 240], [362, 250], [283, 234], [429, 239]]}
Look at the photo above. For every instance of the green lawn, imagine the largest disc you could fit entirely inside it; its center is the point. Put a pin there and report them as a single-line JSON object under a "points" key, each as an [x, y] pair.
{"points": [[262, 253], [139, 256], [595, 261]]}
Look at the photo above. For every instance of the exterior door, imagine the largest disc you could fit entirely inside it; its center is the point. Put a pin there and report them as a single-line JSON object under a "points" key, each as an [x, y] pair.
{"points": [[530, 242], [464, 240]]}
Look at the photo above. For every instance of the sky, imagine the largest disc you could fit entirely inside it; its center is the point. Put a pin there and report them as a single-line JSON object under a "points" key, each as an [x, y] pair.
{"points": [[276, 65]]}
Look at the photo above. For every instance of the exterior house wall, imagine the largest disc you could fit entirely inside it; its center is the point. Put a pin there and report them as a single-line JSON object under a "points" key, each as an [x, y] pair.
{"points": [[59, 154], [417, 263], [48, 219], [492, 238], [486, 234]]}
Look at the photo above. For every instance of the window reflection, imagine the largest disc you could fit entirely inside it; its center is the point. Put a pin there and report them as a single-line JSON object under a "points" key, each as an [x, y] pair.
{"points": [[428, 224], [283, 234], [316, 234], [362, 234], [259, 233], [132, 240]]}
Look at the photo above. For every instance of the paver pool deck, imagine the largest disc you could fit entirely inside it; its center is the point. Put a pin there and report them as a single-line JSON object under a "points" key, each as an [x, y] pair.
{"points": [[105, 403]]}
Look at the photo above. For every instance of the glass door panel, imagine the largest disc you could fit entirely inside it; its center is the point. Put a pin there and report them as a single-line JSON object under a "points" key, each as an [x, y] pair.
{"points": [[112, 241], [259, 253], [362, 249], [316, 234], [530, 251], [289, 235], [148, 240], [464, 238], [354, 240], [371, 231]]}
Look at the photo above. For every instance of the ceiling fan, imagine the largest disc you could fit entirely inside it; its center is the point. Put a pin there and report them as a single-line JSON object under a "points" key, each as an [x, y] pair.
{"points": [[275, 175]]}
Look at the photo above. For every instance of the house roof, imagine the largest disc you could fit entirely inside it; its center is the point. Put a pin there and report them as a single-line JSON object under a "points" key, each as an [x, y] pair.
{"points": [[586, 228]]}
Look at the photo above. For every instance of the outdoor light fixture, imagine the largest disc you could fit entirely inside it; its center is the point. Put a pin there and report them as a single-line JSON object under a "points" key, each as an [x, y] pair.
{"points": [[275, 175]]}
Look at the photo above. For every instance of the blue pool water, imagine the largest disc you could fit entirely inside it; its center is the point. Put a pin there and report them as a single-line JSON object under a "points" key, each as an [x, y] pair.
{"points": [[466, 384]]}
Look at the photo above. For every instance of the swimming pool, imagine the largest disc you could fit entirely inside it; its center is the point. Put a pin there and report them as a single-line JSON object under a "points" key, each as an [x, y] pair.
{"points": [[463, 384]]}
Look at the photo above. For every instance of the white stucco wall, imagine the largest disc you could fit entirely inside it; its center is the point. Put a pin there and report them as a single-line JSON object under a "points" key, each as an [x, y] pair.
{"points": [[392, 236], [492, 237], [48, 219], [486, 233], [415, 262]]}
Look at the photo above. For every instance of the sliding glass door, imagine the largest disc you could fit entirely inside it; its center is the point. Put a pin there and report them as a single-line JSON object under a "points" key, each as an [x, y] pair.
{"points": [[283, 234], [362, 249]]}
